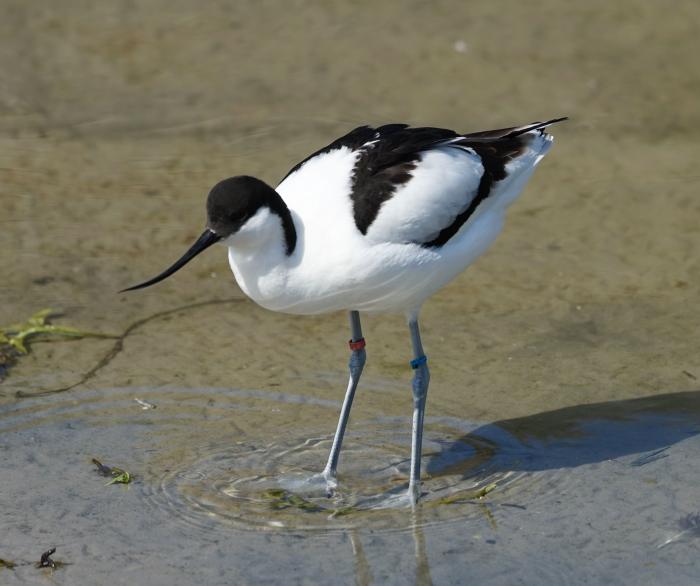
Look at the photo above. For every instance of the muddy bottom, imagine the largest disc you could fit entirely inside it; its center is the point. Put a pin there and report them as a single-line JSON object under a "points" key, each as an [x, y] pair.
{"points": [[600, 490]]}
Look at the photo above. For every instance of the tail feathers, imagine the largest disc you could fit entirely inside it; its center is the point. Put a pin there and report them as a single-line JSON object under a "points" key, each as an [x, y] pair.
{"points": [[534, 126], [512, 132]]}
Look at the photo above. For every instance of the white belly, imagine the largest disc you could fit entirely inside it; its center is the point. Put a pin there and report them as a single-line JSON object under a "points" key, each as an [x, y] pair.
{"points": [[358, 275]]}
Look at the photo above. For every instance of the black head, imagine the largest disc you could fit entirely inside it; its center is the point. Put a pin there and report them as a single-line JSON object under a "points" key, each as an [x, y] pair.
{"points": [[230, 204]]}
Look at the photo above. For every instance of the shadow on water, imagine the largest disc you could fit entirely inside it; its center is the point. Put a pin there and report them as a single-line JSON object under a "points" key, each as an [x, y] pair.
{"points": [[575, 436]]}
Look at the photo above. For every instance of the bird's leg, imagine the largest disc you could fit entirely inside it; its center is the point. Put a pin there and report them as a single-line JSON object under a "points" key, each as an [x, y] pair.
{"points": [[357, 362], [421, 378]]}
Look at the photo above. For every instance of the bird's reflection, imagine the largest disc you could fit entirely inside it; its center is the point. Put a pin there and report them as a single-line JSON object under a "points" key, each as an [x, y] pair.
{"points": [[422, 565], [363, 572]]}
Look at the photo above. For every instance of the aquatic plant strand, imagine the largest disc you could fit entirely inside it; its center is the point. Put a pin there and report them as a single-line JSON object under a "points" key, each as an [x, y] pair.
{"points": [[14, 338]]}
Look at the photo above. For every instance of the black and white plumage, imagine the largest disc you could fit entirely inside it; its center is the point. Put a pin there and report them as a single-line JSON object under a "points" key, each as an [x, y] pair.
{"points": [[376, 221], [388, 155]]}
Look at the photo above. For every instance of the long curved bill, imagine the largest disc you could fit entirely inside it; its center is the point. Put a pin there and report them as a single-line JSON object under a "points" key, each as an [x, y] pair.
{"points": [[203, 242]]}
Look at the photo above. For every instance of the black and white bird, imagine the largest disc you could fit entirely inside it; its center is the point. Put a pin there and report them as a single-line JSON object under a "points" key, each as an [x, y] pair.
{"points": [[377, 221]]}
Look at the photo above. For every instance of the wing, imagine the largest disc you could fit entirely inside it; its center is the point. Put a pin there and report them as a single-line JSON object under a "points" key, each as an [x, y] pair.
{"points": [[426, 188], [440, 185], [387, 162], [421, 185], [379, 161]]}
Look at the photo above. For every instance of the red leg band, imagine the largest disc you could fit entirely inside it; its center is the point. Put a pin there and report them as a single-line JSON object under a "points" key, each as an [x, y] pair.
{"points": [[358, 345]]}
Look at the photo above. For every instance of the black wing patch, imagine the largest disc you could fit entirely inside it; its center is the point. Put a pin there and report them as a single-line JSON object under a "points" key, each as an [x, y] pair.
{"points": [[387, 163]]}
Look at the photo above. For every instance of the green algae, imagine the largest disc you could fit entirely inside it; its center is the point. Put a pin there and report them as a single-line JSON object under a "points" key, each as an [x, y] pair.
{"points": [[15, 338], [280, 499], [466, 496], [117, 475]]}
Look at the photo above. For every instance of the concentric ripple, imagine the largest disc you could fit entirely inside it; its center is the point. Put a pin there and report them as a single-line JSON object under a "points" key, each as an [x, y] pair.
{"points": [[277, 485], [213, 460]]}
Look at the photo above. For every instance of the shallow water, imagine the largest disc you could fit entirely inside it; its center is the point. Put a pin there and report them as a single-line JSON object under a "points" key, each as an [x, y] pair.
{"points": [[599, 490], [564, 410]]}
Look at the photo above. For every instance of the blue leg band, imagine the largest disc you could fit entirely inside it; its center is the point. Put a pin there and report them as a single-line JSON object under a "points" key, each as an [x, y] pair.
{"points": [[418, 362]]}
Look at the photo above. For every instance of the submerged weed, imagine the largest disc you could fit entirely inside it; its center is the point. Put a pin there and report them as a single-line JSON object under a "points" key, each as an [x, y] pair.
{"points": [[14, 338], [117, 475], [280, 499], [466, 496]]}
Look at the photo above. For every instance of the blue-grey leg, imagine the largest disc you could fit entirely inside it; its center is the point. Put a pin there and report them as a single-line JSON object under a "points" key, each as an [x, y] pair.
{"points": [[357, 362], [421, 378]]}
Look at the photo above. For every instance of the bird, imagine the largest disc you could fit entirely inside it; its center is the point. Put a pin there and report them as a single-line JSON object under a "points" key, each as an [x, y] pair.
{"points": [[377, 221]]}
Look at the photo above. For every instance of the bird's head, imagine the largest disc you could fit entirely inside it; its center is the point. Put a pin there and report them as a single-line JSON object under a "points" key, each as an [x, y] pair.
{"points": [[233, 207]]}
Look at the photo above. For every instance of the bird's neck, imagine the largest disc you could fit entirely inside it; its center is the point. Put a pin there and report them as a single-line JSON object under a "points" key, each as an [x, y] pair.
{"points": [[269, 232], [279, 208], [260, 252]]}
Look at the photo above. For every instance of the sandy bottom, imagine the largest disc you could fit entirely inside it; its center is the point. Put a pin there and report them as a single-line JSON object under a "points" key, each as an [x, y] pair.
{"points": [[564, 410]]}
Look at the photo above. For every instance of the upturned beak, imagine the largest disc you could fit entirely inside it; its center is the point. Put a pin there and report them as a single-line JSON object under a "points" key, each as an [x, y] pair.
{"points": [[203, 242]]}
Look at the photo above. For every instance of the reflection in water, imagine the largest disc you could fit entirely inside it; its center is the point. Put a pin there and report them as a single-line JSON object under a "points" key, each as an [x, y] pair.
{"points": [[363, 574], [422, 565]]}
